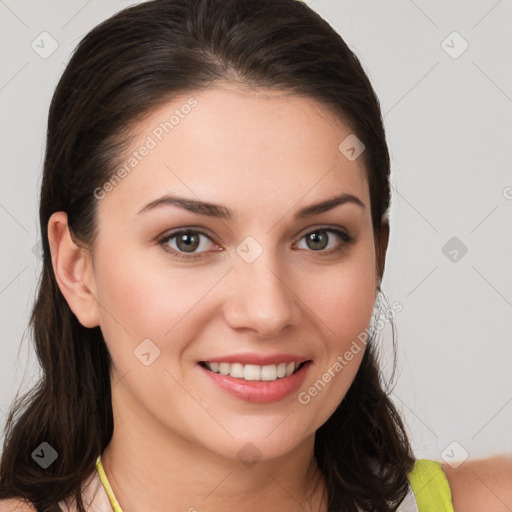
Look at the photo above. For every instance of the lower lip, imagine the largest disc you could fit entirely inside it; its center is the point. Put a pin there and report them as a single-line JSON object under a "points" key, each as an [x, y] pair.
{"points": [[258, 391]]}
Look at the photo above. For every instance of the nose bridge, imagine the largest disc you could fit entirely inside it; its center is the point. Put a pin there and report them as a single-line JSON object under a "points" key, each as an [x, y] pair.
{"points": [[262, 299]]}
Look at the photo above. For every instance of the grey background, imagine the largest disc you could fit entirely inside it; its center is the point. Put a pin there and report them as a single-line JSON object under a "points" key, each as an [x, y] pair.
{"points": [[448, 120]]}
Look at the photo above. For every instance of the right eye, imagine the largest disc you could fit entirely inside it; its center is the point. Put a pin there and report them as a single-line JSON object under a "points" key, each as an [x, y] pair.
{"points": [[185, 241]]}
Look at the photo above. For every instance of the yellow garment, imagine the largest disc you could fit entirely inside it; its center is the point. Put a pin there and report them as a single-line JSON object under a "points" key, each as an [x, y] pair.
{"points": [[427, 480], [104, 480], [430, 487]]}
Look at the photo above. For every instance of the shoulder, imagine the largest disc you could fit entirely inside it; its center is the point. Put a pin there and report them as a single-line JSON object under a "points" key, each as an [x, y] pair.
{"points": [[481, 484], [15, 505]]}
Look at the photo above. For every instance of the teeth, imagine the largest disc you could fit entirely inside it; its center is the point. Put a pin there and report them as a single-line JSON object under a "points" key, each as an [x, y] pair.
{"points": [[237, 371], [254, 371], [251, 372], [270, 372]]}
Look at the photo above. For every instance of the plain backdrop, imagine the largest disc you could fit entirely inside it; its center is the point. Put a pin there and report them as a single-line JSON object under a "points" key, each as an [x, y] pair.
{"points": [[442, 73]]}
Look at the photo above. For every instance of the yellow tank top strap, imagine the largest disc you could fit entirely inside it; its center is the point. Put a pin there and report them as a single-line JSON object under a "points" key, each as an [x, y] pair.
{"points": [[430, 487], [104, 480], [427, 480]]}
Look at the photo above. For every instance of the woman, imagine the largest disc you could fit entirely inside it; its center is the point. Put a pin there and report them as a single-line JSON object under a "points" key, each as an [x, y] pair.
{"points": [[213, 213]]}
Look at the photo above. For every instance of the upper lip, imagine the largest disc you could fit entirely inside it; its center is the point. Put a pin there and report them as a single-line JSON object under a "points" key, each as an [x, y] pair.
{"points": [[259, 359]]}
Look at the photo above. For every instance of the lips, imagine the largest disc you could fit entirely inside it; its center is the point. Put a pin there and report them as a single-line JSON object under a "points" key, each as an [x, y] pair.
{"points": [[257, 378]]}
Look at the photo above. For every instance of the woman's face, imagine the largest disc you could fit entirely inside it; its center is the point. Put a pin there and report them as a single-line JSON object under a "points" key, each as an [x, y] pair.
{"points": [[262, 286]]}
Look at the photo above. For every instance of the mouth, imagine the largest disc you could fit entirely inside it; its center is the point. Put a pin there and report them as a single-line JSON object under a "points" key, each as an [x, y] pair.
{"points": [[254, 383], [254, 372]]}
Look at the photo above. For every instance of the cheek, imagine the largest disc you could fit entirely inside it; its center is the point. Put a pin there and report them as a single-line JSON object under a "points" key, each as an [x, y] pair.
{"points": [[139, 301], [343, 302], [342, 297]]}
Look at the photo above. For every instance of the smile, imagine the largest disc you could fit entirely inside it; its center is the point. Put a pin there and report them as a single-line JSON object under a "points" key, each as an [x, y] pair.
{"points": [[259, 384], [253, 371]]}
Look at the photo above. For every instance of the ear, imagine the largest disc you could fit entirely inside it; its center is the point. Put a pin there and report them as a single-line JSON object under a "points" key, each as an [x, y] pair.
{"points": [[73, 271], [382, 246]]}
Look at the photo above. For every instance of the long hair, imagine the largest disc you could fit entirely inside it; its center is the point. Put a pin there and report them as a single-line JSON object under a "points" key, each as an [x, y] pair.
{"points": [[123, 69]]}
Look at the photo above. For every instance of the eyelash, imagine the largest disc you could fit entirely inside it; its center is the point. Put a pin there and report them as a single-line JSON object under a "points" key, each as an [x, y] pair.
{"points": [[346, 238]]}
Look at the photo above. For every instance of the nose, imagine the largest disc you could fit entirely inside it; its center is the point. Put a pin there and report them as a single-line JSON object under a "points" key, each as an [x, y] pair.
{"points": [[261, 299]]}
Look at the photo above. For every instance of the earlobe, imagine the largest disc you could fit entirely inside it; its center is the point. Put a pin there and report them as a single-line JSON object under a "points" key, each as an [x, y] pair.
{"points": [[73, 271]]}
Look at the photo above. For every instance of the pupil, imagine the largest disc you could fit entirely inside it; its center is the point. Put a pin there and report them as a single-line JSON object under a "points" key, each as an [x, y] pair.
{"points": [[317, 239], [191, 242]]}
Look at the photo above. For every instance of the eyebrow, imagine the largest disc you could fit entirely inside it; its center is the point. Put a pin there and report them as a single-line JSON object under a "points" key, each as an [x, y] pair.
{"points": [[221, 212]]}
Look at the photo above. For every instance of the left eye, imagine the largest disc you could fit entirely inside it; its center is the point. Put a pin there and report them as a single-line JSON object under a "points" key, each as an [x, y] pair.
{"points": [[185, 243], [318, 240]]}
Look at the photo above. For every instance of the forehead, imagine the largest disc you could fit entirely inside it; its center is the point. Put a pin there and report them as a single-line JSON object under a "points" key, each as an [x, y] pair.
{"points": [[250, 149]]}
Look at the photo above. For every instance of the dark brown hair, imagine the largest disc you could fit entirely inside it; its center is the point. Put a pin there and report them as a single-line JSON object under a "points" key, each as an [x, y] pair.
{"points": [[124, 68]]}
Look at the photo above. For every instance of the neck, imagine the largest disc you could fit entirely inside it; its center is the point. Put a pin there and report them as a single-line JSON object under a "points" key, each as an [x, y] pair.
{"points": [[151, 468]]}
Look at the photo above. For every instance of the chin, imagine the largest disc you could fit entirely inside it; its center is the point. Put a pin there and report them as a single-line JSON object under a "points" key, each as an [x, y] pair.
{"points": [[264, 440]]}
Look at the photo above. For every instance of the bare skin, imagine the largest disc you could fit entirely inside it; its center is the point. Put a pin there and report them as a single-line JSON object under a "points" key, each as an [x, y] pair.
{"points": [[263, 155], [484, 484]]}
